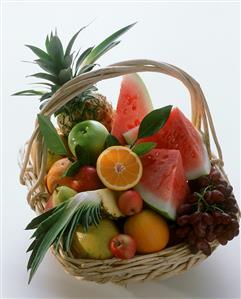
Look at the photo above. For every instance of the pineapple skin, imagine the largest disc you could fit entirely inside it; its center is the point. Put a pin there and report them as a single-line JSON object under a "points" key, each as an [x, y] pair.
{"points": [[95, 108]]}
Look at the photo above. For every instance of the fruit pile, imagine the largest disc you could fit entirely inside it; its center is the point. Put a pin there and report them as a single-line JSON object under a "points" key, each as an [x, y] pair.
{"points": [[124, 182]]}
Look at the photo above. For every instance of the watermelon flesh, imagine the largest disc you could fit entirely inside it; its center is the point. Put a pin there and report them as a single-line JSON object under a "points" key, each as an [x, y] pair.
{"points": [[179, 133], [133, 104], [163, 185]]}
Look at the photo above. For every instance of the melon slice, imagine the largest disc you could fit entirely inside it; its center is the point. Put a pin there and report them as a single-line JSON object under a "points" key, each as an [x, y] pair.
{"points": [[133, 104], [163, 185], [179, 133]]}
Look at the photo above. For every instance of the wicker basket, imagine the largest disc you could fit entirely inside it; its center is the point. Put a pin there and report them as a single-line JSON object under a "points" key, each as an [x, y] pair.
{"points": [[164, 264]]}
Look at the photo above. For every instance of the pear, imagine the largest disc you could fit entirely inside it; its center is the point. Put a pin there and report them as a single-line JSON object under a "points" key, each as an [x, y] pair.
{"points": [[94, 243], [62, 194]]}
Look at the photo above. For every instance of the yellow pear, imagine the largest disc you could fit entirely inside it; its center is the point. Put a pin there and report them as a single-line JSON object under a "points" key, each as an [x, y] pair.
{"points": [[95, 242]]}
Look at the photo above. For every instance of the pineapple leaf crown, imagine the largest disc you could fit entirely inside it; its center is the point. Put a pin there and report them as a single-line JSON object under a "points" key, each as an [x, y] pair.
{"points": [[61, 65]]}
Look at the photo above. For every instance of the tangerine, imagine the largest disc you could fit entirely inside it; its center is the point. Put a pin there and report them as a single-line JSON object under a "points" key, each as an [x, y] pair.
{"points": [[149, 230], [55, 175], [119, 168]]}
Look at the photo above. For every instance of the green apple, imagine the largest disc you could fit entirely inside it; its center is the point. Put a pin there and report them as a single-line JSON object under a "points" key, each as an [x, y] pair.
{"points": [[62, 194], [90, 135]]}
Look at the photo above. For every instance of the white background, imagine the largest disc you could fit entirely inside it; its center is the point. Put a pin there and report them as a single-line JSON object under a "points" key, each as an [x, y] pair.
{"points": [[203, 39]]}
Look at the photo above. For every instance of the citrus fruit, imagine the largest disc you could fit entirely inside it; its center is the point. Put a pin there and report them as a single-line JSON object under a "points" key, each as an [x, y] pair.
{"points": [[149, 230], [119, 168]]}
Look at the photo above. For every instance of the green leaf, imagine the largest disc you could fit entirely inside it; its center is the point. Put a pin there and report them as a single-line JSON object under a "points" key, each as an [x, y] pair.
{"points": [[47, 66], [46, 77], [68, 61], [37, 220], [51, 137], [143, 148], [111, 140], [101, 48], [71, 42], [47, 43], [47, 95], [106, 49], [39, 52], [154, 121], [55, 49], [29, 92], [81, 58], [73, 168], [86, 68]]}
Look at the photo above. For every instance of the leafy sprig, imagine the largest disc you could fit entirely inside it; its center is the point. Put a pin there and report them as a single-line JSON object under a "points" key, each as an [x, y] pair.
{"points": [[150, 125], [59, 224]]}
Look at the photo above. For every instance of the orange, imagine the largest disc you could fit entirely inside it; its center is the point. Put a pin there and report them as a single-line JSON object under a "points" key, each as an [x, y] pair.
{"points": [[119, 168], [149, 230], [55, 175]]}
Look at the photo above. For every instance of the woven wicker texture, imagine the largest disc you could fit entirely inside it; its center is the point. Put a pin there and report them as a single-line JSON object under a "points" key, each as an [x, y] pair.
{"points": [[160, 265]]}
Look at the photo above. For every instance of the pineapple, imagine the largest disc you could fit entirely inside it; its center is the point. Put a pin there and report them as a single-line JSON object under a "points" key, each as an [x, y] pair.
{"points": [[94, 107], [60, 66]]}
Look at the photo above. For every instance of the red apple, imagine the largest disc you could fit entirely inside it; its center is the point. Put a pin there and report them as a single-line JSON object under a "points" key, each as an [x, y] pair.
{"points": [[130, 203], [123, 246], [87, 179]]}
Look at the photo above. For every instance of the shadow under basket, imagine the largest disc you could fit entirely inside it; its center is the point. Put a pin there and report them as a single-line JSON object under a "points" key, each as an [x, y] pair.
{"points": [[161, 265]]}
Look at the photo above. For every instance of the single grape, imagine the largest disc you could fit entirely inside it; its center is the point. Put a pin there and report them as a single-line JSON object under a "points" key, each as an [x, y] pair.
{"points": [[204, 247], [226, 219], [231, 200], [228, 190], [183, 209], [210, 235], [200, 229], [195, 217], [222, 182], [215, 175], [183, 220], [208, 197], [234, 224], [203, 181], [221, 188], [217, 216], [234, 209], [217, 196], [207, 218], [222, 239], [219, 229], [236, 232], [230, 234]]}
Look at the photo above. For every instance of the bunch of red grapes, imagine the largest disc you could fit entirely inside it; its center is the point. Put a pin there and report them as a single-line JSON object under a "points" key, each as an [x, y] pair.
{"points": [[209, 213]]}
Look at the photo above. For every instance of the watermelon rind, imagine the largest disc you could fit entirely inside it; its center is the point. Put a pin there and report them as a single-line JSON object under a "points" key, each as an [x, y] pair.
{"points": [[163, 207], [130, 136]]}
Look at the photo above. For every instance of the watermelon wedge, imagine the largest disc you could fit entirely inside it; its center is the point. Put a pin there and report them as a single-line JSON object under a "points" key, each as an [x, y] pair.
{"points": [[179, 133], [163, 185], [133, 104]]}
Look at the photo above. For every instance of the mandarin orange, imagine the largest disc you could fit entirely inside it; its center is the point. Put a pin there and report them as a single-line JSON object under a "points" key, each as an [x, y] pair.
{"points": [[149, 230]]}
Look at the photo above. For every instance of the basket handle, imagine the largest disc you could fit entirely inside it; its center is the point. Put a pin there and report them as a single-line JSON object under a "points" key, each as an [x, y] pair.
{"points": [[201, 116]]}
